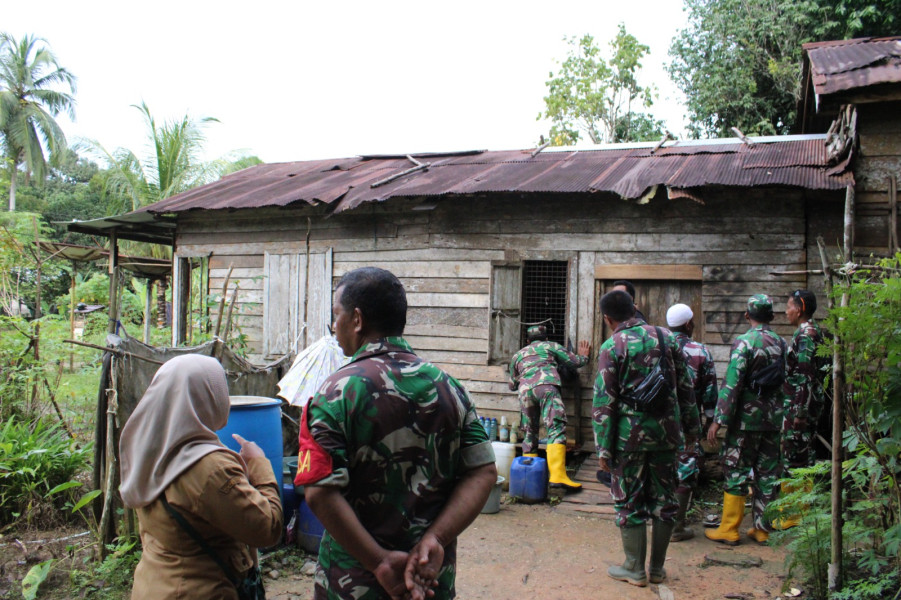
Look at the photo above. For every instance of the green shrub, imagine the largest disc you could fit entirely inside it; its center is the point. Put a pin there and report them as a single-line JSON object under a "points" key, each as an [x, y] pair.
{"points": [[34, 459], [110, 579]]}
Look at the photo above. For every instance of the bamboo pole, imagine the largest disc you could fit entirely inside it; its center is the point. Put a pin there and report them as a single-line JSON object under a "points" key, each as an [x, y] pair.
{"points": [[107, 526], [228, 276], [228, 317]]}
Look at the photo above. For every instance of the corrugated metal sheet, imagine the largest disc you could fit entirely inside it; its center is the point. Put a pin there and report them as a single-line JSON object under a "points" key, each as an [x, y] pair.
{"points": [[343, 184], [849, 64]]}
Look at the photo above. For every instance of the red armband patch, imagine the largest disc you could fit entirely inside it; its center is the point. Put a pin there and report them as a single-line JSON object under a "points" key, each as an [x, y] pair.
{"points": [[313, 462]]}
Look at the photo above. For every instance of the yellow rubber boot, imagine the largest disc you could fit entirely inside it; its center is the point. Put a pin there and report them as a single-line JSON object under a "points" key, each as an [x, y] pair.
{"points": [[532, 454], [758, 535], [556, 464], [793, 520], [733, 512]]}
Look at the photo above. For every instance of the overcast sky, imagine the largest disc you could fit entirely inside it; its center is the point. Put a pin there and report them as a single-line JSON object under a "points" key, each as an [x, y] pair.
{"points": [[303, 80]]}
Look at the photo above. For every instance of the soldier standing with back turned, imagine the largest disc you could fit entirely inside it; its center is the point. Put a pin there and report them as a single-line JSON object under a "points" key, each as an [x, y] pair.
{"points": [[638, 444], [680, 319], [534, 371], [750, 405]]}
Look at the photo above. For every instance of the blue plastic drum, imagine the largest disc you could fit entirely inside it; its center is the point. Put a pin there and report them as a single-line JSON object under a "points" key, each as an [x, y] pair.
{"points": [[256, 419]]}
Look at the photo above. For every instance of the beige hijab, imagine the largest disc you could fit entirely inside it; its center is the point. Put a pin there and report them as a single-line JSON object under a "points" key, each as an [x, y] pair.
{"points": [[173, 426]]}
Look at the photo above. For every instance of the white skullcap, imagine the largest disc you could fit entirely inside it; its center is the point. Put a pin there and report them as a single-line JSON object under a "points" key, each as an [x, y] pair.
{"points": [[678, 315]]}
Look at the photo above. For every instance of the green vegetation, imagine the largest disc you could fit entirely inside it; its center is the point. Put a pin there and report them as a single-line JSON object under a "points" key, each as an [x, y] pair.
{"points": [[869, 330], [739, 61], [35, 459], [600, 97]]}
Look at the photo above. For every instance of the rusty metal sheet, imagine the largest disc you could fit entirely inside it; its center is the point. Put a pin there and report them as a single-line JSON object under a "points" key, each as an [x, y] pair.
{"points": [[343, 184], [850, 64]]}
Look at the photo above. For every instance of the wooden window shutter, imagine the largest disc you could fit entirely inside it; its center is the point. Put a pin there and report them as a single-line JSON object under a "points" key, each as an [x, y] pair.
{"points": [[505, 311], [280, 303], [315, 296]]}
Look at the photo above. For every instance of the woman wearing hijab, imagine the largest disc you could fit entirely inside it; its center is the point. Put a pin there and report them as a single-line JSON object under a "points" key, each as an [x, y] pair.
{"points": [[169, 451]]}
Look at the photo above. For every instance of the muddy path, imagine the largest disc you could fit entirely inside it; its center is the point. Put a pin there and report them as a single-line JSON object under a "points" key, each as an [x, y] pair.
{"points": [[542, 552]]}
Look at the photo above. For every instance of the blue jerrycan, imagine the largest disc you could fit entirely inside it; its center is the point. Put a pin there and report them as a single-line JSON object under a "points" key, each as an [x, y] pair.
{"points": [[528, 479]]}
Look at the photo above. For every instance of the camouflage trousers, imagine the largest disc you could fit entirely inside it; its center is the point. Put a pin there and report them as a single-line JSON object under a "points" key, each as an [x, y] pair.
{"points": [[544, 402], [752, 458], [643, 487], [341, 577], [797, 444], [689, 463]]}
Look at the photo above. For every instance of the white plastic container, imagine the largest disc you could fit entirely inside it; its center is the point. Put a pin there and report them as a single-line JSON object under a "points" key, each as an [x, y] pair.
{"points": [[504, 453], [493, 504]]}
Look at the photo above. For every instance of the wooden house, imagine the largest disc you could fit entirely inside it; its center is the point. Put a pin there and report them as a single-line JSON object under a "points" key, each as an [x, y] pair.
{"points": [[861, 80], [488, 241]]}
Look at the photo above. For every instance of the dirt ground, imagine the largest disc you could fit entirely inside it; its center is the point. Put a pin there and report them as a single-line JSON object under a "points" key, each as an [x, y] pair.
{"points": [[539, 551]]}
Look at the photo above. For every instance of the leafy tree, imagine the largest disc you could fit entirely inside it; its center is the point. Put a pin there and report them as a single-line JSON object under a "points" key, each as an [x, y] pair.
{"points": [[32, 92], [739, 61], [599, 97]]}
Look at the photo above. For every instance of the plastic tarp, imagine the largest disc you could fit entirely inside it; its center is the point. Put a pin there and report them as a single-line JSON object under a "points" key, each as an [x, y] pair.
{"points": [[311, 368]]}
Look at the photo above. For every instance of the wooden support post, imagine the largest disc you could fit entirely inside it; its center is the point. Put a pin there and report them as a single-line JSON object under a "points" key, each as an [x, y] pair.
{"points": [[893, 244], [849, 224], [148, 294], [72, 314], [107, 526], [113, 271]]}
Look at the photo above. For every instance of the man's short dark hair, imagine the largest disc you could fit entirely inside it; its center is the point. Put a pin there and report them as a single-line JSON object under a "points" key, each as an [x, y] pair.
{"points": [[763, 316], [379, 295], [617, 305], [806, 301], [626, 284]]}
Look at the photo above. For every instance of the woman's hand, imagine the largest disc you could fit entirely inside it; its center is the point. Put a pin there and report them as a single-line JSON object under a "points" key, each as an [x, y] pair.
{"points": [[249, 449]]}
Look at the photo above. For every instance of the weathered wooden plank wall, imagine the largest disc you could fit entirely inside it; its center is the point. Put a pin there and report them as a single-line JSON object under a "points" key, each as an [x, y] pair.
{"points": [[879, 130], [444, 257]]}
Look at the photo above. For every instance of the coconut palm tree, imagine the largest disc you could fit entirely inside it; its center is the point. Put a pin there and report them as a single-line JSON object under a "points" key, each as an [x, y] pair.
{"points": [[172, 165], [30, 98]]}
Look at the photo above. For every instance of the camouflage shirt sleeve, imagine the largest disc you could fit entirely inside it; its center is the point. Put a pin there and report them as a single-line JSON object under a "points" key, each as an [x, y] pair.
{"points": [[565, 357], [707, 384], [801, 376], [605, 404], [688, 407], [730, 394]]}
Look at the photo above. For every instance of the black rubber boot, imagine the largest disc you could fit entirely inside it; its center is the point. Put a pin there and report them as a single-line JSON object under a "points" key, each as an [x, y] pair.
{"points": [[635, 546], [680, 531], [660, 537]]}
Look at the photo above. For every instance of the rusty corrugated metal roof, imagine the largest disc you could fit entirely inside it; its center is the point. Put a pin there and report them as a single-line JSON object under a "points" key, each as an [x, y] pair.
{"points": [[849, 64], [629, 171]]}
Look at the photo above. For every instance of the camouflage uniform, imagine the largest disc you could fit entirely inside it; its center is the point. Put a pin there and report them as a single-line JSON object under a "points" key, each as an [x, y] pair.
{"points": [[753, 420], [641, 448], [534, 370], [804, 397], [400, 432], [703, 376]]}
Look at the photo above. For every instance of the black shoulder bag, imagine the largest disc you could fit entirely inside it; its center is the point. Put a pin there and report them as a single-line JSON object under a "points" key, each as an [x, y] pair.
{"points": [[250, 586], [650, 395], [769, 377]]}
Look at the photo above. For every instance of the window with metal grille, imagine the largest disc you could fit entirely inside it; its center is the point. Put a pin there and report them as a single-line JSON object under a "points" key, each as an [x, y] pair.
{"points": [[544, 297]]}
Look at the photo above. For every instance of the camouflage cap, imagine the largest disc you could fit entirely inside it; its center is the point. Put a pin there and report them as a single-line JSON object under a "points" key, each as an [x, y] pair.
{"points": [[760, 303], [536, 332]]}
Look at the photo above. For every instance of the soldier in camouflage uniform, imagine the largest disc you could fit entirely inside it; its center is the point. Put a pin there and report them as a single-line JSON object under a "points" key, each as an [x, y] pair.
{"points": [[394, 459], [803, 382], [803, 388], [534, 371], [702, 370], [753, 415], [639, 447]]}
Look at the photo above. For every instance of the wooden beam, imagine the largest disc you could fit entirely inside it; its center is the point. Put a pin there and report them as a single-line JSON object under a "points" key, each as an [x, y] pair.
{"points": [[665, 272]]}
